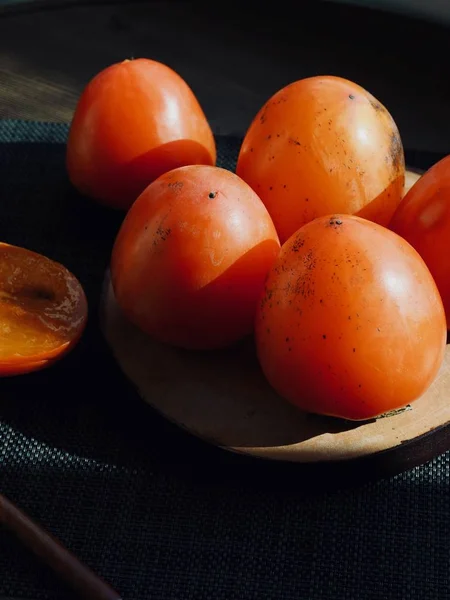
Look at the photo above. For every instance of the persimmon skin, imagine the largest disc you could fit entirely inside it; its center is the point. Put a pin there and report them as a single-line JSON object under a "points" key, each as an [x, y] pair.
{"points": [[351, 323], [43, 311], [323, 145], [189, 262], [134, 121], [423, 219]]}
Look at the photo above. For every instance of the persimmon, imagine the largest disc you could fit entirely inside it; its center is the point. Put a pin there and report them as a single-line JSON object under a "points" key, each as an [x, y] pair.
{"points": [[190, 259], [134, 121], [43, 310], [350, 323], [423, 219], [323, 145]]}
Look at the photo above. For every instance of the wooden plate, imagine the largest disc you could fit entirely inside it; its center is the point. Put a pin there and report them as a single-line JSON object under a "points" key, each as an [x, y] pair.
{"points": [[411, 178], [223, 397]]}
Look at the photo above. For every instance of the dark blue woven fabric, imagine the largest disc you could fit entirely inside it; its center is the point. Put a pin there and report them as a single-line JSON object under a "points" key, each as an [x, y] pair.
{"points": [[156, 512]]}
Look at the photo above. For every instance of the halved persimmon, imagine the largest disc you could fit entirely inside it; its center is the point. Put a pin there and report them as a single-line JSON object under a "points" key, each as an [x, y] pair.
{"points": [[43, 310]]}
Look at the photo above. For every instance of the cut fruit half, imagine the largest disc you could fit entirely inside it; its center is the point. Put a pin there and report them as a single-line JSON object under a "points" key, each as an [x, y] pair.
{"points": [[43, 310]]}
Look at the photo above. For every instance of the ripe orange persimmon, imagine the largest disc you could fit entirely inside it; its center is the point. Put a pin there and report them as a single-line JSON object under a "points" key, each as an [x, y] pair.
{"points": [[134, 121], [423, 219], [43, 311], [323, 145], [190, 259], [351, 323]]}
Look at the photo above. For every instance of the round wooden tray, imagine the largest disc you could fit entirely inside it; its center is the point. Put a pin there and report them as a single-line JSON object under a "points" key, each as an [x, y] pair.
{"points": [[223, 398]]}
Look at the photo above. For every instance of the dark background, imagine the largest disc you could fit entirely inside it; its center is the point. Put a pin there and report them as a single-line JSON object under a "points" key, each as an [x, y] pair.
{"points": [[233, 54]]}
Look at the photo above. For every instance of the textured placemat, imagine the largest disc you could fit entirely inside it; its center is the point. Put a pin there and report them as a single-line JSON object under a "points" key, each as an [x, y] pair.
{"points": [[130, 494]]}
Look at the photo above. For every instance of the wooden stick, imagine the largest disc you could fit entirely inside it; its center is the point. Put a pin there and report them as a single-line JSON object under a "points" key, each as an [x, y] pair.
{"points": [[52, 553]]}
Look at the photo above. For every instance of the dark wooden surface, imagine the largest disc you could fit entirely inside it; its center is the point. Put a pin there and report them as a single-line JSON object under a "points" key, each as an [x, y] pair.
{"points": [[88, 585], [234, 56]]}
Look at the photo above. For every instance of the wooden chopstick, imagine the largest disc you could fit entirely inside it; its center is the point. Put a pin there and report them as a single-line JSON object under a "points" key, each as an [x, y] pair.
{"points": [[54, 554]]}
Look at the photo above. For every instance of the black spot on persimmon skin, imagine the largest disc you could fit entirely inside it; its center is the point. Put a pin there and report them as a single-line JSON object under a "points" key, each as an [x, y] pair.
{"points": [[303, 285], [298, 244], [335, 222], [176, 185], [263, 115], [395, 153], [351, 96], [162, 234], [212, 195], [377, 106], [266, 298], [309, 260]]}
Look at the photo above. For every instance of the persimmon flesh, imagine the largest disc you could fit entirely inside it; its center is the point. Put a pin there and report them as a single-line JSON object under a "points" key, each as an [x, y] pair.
{"points": [[43, 310]]}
